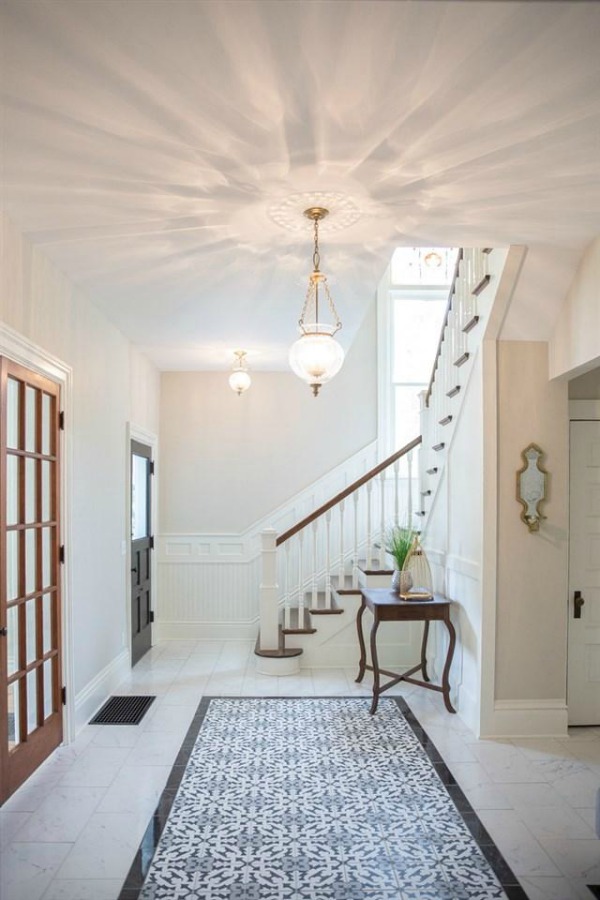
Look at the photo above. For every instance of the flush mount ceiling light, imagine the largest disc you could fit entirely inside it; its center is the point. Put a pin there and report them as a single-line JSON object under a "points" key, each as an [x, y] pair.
{"points": [[433, 259], [316, 357], [239, 380]]}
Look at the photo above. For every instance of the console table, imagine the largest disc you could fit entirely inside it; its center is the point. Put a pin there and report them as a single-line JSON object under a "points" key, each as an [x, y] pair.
{"points": [[387, 606]]}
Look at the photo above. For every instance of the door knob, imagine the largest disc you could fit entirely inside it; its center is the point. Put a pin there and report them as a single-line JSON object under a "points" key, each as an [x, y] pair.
{"points": [[578, 602]]}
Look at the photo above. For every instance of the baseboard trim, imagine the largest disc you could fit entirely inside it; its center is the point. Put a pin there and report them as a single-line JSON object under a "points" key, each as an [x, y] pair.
{"points": [[205, 631], [89, 700], [527, 718]]}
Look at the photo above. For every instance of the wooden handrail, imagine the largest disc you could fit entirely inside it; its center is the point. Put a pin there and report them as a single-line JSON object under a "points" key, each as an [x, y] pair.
{"points": [[347, 491], [438, 352]]}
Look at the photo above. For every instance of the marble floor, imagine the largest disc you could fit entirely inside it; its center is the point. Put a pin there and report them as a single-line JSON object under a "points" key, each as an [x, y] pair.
{"points": [[71, 832]]}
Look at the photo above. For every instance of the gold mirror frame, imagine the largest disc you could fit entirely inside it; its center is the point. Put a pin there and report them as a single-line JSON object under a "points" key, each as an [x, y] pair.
{"points": [[531, 486]]}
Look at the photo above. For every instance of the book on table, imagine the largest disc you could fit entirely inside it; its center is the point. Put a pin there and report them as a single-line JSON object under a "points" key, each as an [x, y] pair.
{"points": [[416, 593]]}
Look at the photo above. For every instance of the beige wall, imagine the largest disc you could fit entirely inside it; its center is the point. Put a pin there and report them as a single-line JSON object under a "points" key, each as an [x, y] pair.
{"points": [[532, 567], [112, 384], [227, 461], [575, 343]]}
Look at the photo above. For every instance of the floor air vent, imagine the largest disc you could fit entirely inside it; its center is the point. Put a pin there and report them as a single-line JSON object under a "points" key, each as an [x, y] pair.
{"points": [[123, 711]]}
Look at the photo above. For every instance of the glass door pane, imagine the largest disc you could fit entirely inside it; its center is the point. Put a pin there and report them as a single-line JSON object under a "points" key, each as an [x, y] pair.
{"points": [[139, 497]]}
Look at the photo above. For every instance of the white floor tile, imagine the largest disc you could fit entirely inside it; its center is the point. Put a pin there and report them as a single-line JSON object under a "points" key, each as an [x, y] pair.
{"points": [[105, 848], [136, 789], [80, 889], [542, 888], [82, 815], [28, 869], [62, 816], [522, 851], [10, 823]]}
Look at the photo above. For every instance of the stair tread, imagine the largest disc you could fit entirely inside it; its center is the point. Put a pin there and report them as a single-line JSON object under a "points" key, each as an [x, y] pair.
{"points": [[282, 651], [374, 567], [299, 622], [320, 608], [346, 587]]}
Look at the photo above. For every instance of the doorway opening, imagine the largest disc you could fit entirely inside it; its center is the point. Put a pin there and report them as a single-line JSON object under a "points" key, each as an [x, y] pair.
{"points": [[141, 547]]}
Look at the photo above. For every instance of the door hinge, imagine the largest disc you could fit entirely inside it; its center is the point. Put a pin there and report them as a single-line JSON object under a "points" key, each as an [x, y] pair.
{"points": [[152, 467], [63, 696], [151, 615], [61, 554], [61, 420], [151, 542]]}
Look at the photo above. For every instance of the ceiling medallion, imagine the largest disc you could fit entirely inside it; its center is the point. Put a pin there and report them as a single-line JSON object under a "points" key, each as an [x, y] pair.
{"points": [[343, 211]]}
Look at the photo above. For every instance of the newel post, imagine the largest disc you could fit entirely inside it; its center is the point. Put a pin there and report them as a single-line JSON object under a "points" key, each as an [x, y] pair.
{"points": [[269, 591]]}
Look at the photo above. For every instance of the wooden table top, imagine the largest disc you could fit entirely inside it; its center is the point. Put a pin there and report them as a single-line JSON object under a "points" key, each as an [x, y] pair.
{"points": [[387, 597]]}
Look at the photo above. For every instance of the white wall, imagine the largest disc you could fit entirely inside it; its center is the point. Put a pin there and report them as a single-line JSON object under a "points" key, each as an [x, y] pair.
{"points": [[227, 461], [575, 343], [112, 384]]}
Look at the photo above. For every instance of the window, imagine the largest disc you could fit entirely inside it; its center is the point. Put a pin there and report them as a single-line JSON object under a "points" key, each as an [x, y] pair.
{"points": [[414, 297]]}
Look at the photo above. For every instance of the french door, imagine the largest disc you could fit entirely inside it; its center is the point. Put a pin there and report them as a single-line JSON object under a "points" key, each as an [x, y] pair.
{"points": [[30, 598], [142, 544]]}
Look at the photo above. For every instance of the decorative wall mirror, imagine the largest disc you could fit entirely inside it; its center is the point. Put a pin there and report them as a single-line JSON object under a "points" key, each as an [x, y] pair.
{"points": [[531, 486]]}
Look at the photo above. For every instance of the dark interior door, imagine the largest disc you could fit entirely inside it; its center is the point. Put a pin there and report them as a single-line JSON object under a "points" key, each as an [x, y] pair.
{"points": [[142, 544], [31, 723]]}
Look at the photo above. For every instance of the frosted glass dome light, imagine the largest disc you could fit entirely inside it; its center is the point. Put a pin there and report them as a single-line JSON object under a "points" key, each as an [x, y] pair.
{"points": [[239, 380], [316, 356]]}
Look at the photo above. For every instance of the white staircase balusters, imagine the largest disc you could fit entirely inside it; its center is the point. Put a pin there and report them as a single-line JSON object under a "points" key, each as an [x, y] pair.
{"points": [[382, 520], [328, 559], [369, 495], [411, 509], [397, 492], [315, 566], [355, 498], [341, 565]]}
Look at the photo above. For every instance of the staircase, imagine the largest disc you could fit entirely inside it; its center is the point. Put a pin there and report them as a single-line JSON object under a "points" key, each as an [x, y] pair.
{"points": [[323, 561]]}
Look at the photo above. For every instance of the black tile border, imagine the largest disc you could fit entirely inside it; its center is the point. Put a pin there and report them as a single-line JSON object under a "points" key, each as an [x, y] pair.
{"points": [[134, 882], [498, 864]]}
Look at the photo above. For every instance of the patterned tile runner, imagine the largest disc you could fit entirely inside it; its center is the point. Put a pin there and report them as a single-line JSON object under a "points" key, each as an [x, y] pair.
{"points": [[315, 799]]}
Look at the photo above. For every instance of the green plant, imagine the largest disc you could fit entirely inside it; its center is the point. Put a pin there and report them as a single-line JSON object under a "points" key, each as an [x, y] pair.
{"points": [[398, 542]]}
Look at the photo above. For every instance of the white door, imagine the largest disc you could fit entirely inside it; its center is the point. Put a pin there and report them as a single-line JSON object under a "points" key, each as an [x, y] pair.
{"points": [[583, 692]]}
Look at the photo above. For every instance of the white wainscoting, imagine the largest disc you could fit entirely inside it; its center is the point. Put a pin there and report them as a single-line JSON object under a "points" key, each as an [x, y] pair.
{"points": [[460, 580], [207, 587], [208, 583]]}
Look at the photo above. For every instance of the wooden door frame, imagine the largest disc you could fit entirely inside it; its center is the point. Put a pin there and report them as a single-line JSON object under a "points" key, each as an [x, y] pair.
{"points": [[136, 433], [20, 350]]}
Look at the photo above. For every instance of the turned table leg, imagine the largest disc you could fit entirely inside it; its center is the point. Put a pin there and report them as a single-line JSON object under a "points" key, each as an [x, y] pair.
{"points": [[448, 663], [375, 664], [361, 643], [424, 651]]}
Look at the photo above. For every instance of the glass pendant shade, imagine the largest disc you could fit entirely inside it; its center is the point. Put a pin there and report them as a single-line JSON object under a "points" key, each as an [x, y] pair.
{"points": [[316, 357], [239, 381]]}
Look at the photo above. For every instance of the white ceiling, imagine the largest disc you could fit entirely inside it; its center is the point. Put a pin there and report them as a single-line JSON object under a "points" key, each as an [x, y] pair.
{"points": [[149, 145]]}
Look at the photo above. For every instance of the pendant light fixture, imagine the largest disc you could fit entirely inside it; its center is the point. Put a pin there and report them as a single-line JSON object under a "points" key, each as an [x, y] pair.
{"points": [[239, 380], [316, 357]]}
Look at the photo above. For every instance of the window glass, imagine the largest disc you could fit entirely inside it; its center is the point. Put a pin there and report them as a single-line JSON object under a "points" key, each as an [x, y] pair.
{"points": [[421, 278]]}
